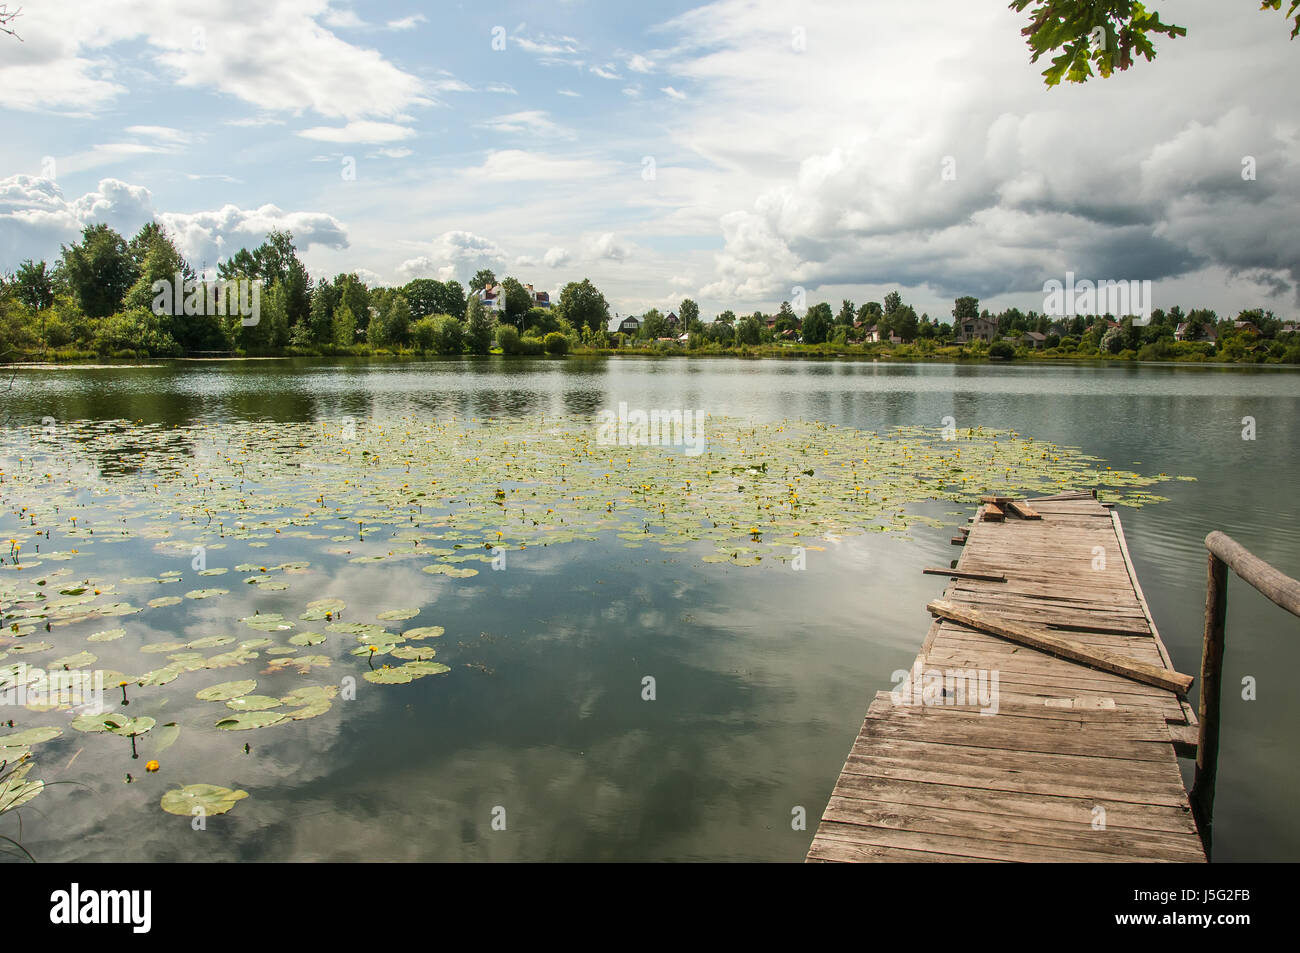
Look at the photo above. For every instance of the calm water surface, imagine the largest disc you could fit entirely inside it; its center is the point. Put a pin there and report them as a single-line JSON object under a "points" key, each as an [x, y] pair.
{"points": [[763, 675]]}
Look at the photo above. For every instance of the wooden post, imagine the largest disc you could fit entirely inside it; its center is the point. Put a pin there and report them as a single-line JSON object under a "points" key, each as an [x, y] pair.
{"points": [[1207, 746]]}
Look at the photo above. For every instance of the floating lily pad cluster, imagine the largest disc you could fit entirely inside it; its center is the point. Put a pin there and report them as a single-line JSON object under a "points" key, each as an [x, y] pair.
{"points": [[446, 496]]}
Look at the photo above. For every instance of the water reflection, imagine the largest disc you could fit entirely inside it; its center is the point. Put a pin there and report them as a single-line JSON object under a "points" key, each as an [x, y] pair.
{"points": [[762, 675]]}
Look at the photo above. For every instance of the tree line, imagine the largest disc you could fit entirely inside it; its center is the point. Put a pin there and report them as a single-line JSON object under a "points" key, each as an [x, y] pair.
{"points": [[99, 298]]}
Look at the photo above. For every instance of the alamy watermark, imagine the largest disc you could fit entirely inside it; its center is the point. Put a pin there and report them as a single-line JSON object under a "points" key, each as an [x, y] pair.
{"points": [[953, 686], [1085, 298], [238, 296], [652, 428], [78, 689]]}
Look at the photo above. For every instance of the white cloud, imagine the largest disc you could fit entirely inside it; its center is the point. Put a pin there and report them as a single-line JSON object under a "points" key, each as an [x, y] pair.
{"points": [[163, 133], [501, 88], [672, 93], [532, 122], [345, 19], [35, 219], [568, 92], [408, 23], [639, 64], [556, 257], [455, 254], [517, 165], [275, 54], [359, 131], [606, 247], [550, 50], [254, 121], [606, 71]]}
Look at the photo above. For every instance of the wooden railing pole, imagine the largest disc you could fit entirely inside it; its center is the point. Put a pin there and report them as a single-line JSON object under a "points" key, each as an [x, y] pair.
{"points": [[1207, 748]]}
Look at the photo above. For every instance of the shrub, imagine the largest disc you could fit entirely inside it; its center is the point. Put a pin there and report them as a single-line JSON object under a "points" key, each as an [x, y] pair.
{"points": [[423, 334], [508, 339], [448, 335], [556, 343], [1001, 350]]}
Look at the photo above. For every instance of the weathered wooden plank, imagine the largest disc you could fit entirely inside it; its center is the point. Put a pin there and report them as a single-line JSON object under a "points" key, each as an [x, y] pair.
{"points": [[1024, 510], [1066, 648], [1077, 834], [1145, 817], [963, 574], [1073, 731]]}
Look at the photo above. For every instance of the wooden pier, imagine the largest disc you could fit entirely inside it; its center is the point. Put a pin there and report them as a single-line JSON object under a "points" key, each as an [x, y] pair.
{"points": [[1070, 755]]}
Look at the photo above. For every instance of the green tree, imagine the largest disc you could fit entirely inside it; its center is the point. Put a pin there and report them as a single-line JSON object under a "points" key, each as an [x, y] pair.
{"points": [[397, 321], [1108, 34], [727, 317], [965, 309], [689, 312], [846, 313], [452, 299], [749, 330], [424, 296], [320, 321], [483, 278], [653, 325], [870, 313], [785, 319], [448, 334], [518, 301], [344, 325], [903, 322], [99, 271], [479, 327], [817, 324], [721, 332], [353, 292], [893, 301], [34, 285], [582, 305]]}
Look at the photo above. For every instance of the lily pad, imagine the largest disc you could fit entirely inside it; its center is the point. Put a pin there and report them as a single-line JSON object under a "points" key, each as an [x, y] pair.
{"points": [[246, 720], [253, 703], [203, 799], [389, 676], [226, 690], [424, 632], [29, 737], [205, 593]]}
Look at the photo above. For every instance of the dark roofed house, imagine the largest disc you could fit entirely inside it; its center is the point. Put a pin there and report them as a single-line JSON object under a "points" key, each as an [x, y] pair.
{"points": [[976, 329], [1033, 339], [629, 325]]}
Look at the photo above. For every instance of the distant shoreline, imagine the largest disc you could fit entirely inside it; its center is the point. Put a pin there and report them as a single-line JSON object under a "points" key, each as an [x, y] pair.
{"points": [[783, 354]]}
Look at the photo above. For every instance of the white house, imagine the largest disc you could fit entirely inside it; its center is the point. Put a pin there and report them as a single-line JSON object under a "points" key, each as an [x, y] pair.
{"points": [[493, 297]]}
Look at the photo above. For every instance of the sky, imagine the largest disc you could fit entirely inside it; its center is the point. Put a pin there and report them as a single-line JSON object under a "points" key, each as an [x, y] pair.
{"points": [[733, 152]]}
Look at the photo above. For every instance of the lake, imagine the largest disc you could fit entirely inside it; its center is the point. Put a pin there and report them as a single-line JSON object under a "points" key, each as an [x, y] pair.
{"points": [[541, 724]]}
